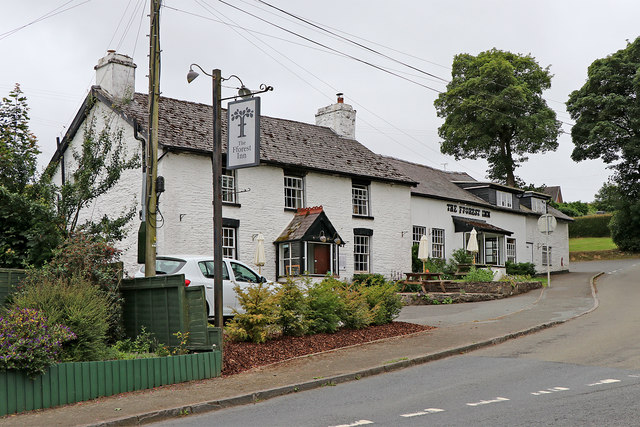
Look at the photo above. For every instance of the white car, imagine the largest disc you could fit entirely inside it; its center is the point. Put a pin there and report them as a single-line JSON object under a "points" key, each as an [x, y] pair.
{"points": [[198, 271]]}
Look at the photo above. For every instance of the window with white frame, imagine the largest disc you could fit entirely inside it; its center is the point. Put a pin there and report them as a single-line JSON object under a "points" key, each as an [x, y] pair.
{"points": [[293, 192], [491, 251], [290, 259], [418, 232], [229, 242], [511, 250], [360, 197], [546, 255], [504, 199], [437, 243], [228, 181], [538, 205], [361, 252]]}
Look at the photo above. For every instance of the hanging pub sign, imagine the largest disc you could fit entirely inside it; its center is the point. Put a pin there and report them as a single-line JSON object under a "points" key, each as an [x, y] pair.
{"points": [[243, 133]]}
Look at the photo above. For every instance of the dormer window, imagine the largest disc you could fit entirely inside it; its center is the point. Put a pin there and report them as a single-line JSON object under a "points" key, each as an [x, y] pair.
{"points": [[504, 199], [538, 205]]}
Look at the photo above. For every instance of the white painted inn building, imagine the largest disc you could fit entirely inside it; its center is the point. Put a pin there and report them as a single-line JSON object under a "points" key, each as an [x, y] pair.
{"points": [[323, 201]]}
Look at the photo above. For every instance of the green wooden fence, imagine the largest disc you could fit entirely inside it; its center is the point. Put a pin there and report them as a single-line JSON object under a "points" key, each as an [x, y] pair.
{"points": [[164, 306], [78, 381], [9, 280]]}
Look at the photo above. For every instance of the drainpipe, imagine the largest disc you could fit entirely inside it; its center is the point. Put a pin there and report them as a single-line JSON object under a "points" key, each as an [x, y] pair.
{"points": [[61, 160], [143, 143]]}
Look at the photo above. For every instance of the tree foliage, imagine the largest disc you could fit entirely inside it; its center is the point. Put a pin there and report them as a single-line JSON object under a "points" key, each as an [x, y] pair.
{"points": [[607, 115], [608, 198], [29, 230], [493, 109], [18, 146]]}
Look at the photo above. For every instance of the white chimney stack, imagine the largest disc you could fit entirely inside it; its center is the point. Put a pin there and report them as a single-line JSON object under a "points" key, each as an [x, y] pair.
{"points": [[340, 117], [116, 73]]}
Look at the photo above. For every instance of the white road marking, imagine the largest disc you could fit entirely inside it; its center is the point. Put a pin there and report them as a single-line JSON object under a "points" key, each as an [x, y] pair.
{"points": [[634, 376], [486, 402], [549, 391], [425, 412], [607, 381], [357, 423]]}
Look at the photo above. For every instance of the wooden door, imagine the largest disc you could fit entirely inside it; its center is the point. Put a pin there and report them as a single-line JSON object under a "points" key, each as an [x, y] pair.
{"points": [[321, 259]]}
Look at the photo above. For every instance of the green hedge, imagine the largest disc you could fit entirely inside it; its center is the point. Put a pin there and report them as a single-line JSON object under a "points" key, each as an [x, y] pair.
{"points": [[590, 226]]}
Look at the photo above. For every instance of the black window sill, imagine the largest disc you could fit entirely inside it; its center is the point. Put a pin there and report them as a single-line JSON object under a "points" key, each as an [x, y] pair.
{"points": [[233, 205], [362, 217], [291, 209]]}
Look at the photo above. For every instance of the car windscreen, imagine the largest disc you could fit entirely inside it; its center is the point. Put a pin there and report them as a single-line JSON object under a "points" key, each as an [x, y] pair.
{"points": [[167, 266], [244, 274], [207, 270]]}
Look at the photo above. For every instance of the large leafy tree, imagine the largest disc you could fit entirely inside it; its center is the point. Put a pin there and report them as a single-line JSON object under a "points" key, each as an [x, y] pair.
{"points": [[606, 110], [18, 146], [493, 109]]}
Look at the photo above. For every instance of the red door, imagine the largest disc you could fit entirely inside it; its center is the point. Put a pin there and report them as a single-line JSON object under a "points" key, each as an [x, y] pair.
{"points": [[321, 259]]}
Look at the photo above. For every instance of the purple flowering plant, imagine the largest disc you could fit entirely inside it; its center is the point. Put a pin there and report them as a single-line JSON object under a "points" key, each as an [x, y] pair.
{"points": [[28, 342]]}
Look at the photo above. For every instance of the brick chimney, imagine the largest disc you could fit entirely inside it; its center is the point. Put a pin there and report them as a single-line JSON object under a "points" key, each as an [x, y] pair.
{"points": [[116, 73], [340, 117]]}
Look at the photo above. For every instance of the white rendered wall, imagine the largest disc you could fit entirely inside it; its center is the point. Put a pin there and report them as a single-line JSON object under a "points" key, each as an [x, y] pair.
{"points": [[189, 194], [432, 213]]}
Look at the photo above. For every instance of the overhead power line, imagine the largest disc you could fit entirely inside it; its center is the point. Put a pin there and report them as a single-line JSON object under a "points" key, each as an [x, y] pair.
{"points": [[330, 48], [47, 15]]}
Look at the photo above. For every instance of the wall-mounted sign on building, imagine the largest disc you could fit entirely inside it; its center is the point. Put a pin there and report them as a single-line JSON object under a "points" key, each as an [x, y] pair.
{"points": [[243, 133]]}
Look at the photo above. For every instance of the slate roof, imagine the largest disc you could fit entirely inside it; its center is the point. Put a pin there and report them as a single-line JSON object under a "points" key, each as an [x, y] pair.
{"points": [[304, 221], [555, 192], [188, 126], [444, 185], [467, 224], [436, 183]]}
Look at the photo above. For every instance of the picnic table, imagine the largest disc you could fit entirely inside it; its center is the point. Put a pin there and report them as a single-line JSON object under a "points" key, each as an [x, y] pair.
{"points": [[428, 281]]}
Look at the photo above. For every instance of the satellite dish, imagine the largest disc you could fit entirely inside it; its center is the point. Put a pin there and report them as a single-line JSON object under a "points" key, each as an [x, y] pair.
{"points": [[547, 224]]}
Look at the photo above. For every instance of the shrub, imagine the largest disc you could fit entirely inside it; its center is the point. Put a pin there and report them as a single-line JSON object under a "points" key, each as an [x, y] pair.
{"points": [[479, 275], [416, 264], [521, 268], [462, 256], [355, 313], [367, 279], [76, 303], [93, 260], [324, 305], [590, 226], [384, 303], [291, 309], [29, 341], [142, 346], [259, 303]]}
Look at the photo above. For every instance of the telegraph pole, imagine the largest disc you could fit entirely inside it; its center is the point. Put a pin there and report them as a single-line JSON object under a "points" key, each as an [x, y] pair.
{"points": [[152, 144]]}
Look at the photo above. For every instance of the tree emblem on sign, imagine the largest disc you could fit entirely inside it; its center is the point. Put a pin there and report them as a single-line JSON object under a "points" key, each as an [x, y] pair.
{"points": [[241, 114]]}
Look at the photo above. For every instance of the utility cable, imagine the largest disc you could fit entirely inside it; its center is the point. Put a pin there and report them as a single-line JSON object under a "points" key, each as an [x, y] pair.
{"points": [[47, 15]]}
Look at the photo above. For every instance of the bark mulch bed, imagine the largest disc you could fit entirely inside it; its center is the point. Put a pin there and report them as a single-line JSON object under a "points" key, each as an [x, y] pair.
{"points": [[242, 356]]}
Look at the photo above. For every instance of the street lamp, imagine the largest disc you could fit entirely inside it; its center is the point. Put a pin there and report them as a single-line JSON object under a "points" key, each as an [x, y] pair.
{"points": [[216, 166]]}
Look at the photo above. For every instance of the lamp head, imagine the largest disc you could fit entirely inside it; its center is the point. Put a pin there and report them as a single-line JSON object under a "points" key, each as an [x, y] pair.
{"points": [[244, 92], [191, 75]]}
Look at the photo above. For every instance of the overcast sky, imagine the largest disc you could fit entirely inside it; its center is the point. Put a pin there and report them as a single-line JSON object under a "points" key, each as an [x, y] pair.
{"points": [[53, 60]]}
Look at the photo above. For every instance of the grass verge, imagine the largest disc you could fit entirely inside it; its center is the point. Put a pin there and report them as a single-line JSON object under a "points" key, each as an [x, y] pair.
{"points": [[589, 244]]}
